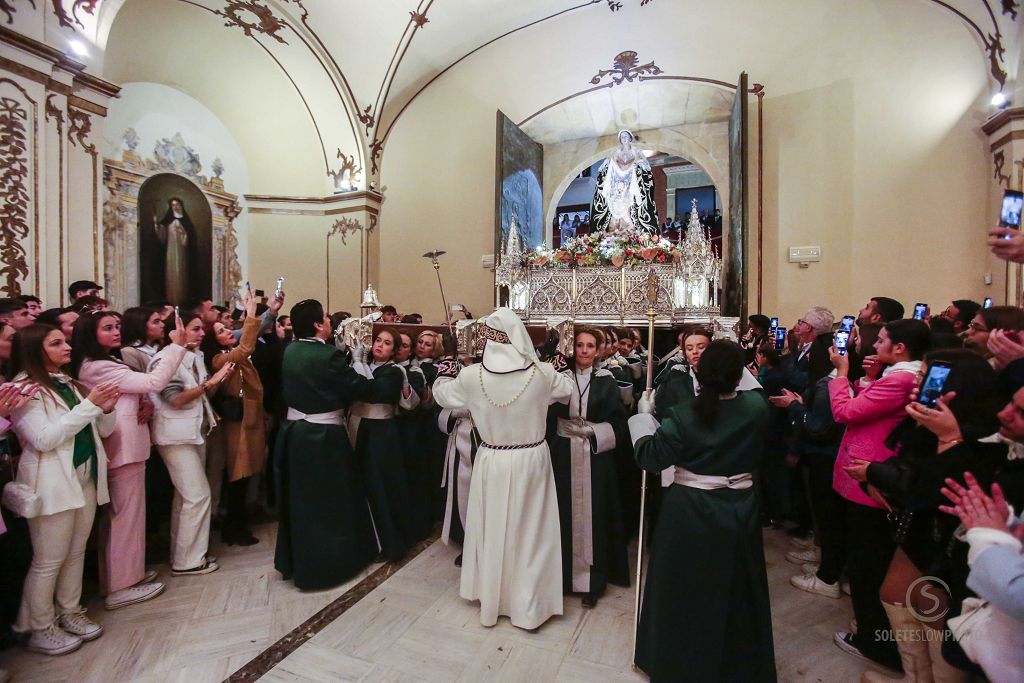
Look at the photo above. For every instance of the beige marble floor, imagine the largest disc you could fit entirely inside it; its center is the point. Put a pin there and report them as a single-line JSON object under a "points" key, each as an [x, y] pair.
{"points": [[200, 630], [414, 627]]}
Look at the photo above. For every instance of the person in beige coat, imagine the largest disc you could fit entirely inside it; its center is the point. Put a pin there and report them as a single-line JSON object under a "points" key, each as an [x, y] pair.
{"points": [[239, 404], [64, 463]]}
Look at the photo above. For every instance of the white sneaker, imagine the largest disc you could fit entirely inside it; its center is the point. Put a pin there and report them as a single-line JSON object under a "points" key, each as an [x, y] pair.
{"points": [[207, 567], [812, 584], [134, 595], [804, 556], [148, 577], [76, 623], [53, 641]]}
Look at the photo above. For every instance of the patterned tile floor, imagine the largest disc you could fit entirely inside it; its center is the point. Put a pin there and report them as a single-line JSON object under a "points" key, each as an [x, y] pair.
{"points": [[413, 627]]}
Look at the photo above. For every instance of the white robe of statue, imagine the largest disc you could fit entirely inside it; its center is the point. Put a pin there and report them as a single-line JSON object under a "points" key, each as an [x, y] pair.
{"points": [[174, 237], [512, 557]]}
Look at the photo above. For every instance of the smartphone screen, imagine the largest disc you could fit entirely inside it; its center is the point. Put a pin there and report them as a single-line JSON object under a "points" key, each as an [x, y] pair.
{"points": [[775, 323], [842, 340], [847, 324], [1009, 214], [931, 387], [920, 311], [780, 338], [987, 303]]}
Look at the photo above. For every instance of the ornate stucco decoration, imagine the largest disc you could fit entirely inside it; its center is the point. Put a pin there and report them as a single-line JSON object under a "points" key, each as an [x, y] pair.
{"points": [[252, 18], [343, 227], [347, 177], [174, 156], [998, 161], [626, 68], [14, 179], [65, 19], [615, 5], [993, 41]]}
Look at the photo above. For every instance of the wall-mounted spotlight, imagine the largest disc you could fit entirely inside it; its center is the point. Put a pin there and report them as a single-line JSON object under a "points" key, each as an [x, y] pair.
{"points": [[999, 100], [78, 47]]}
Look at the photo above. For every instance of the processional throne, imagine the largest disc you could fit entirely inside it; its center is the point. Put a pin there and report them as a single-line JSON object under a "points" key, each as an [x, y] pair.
{"points": [[602, 279]]}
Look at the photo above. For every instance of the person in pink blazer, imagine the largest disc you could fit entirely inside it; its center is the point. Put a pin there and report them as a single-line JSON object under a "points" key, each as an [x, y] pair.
{"points": [[96, 340], [871, 409]]}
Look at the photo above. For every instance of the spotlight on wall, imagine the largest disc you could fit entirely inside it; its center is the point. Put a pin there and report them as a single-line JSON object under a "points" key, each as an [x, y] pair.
{"points": [[78, 47], [999, 100]]}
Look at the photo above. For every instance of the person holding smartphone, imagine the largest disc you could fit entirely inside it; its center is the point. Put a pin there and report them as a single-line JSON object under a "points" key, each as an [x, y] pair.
{"points": [[936, 443], [63, 461], [870, 409], [183, 417], [122, 537]]}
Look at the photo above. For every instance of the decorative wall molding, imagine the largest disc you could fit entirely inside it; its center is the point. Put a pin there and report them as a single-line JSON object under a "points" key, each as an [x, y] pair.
{"points": [[14, 179], [350, 171], [615, 5], [54, 112], [252, 18], [626, 68], [69, 20], [991, 41], [998, 161]]}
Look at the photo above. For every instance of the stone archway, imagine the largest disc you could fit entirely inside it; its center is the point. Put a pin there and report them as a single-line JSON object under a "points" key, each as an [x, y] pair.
{"points": [[706, 149]]}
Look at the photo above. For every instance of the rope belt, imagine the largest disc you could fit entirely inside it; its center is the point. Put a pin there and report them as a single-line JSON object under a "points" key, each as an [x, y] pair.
{"points": [[684, 477], [516, 447]]}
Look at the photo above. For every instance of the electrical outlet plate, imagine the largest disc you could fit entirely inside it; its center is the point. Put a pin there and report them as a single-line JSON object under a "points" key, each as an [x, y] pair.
{"points": [[804, 254], [487, 261]]}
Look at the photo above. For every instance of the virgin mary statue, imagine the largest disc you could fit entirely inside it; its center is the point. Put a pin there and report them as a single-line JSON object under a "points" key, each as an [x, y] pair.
{"points": [[178, 237], [624, 198]]}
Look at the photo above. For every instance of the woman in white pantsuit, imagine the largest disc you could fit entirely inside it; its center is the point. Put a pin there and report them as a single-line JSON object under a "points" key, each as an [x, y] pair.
{"points": [[512, 558], [64, 463], [181, 421]]}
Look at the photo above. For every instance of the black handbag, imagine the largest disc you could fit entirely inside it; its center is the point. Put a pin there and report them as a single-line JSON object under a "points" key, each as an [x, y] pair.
{"points": [[230, 408]]}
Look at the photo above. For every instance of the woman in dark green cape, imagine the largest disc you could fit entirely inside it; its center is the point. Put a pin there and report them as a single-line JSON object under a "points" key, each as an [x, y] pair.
{"points": [[380, 449], [583, 434], [705, 614], [415, 449]]}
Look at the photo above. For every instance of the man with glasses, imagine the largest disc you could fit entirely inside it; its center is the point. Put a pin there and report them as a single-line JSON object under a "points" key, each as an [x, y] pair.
{"points": [[960, 313]]}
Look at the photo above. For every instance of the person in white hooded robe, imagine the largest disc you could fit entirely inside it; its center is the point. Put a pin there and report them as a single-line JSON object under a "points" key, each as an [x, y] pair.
{"points": [[512, 557]]}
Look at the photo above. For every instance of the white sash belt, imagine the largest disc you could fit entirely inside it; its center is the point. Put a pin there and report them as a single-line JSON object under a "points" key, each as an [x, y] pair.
{"points": [[335, 417], [581, 496], [685, 477], [360, 411]]}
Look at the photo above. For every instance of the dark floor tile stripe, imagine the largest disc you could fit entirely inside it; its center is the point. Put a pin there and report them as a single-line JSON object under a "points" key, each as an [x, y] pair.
{"points": [[297, 637]]}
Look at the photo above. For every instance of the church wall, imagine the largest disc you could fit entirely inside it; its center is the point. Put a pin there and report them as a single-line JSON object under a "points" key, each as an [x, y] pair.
{"points": [[872, 147], [294, 246], [200, 129]]}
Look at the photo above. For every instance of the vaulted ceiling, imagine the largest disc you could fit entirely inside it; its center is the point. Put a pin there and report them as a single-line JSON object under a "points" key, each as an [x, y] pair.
{"points": [[342, 72]]}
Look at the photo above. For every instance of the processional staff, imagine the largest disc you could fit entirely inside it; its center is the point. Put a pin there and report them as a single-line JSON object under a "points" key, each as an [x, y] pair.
{"points": [[652, 301]]}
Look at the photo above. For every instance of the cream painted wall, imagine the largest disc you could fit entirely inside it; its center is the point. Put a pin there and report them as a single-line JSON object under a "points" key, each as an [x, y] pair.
{"points": [[199, 127], [872, 146], [160, 41], [294, 246]]}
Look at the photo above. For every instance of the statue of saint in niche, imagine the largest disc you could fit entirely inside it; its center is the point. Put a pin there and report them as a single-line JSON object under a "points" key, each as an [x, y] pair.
{"points": [[624, 198], [177, 236]]}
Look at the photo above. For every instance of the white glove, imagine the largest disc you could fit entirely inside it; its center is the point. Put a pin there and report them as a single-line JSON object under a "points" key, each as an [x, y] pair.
{"points": [[362, 368], [646, 402], [360, 354], [405, 376], [372, 317], [339, 337]]}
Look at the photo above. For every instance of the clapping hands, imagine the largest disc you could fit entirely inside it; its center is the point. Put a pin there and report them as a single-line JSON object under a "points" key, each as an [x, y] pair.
{"points": [[14, 396], [974, 507]]}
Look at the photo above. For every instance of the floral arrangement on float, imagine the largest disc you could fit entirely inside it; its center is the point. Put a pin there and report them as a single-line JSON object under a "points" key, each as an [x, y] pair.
{"points": [[602, 249]]}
